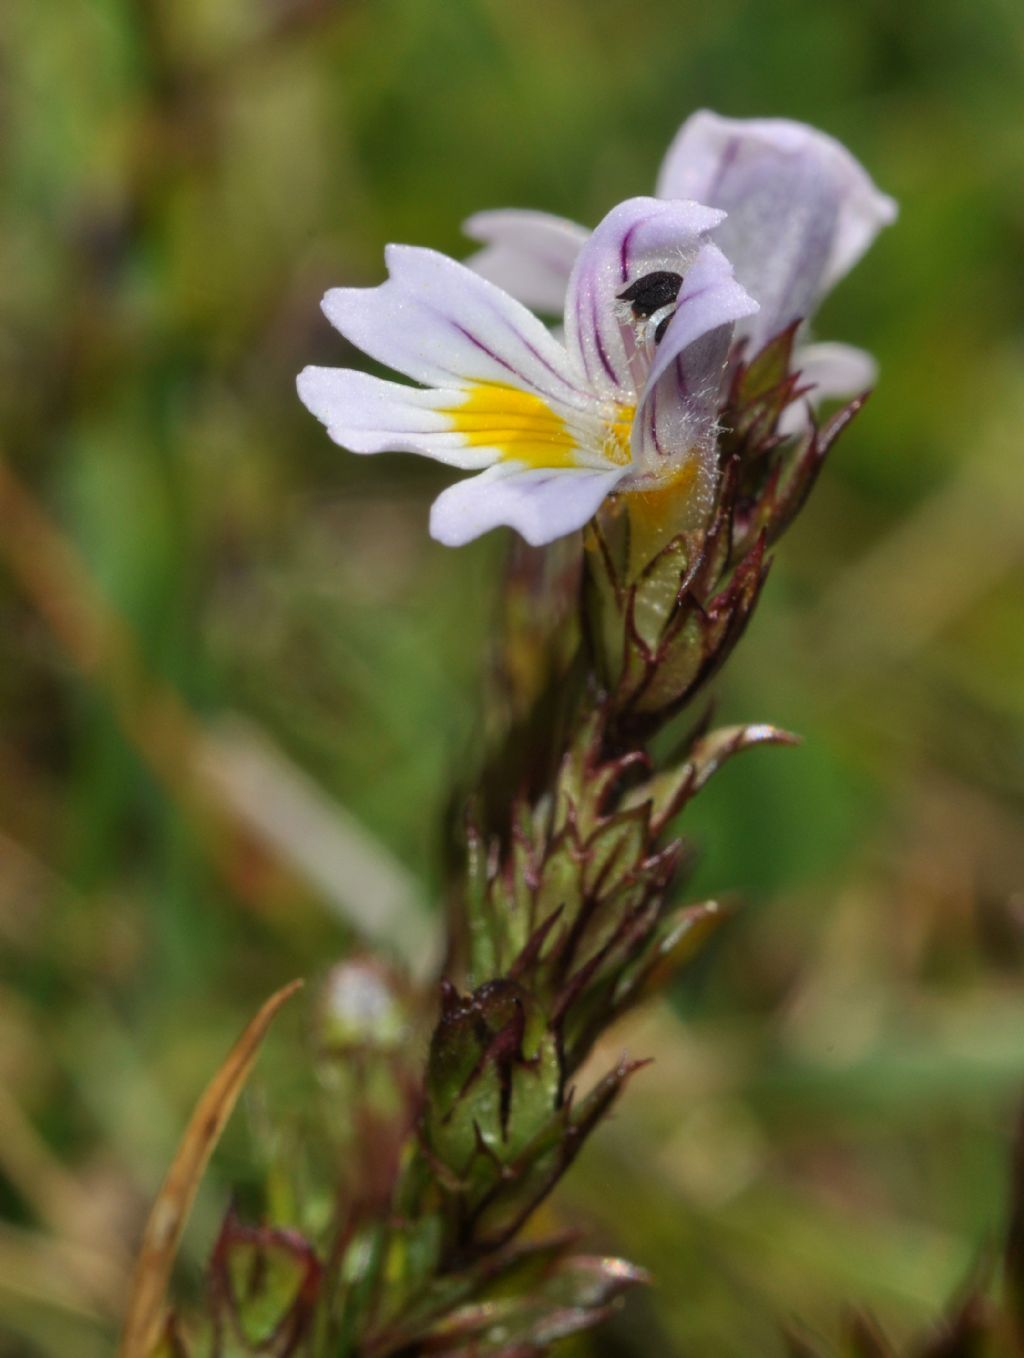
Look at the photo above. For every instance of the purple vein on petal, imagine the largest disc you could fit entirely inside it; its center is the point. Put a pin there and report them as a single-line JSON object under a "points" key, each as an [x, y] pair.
{"points": [[448, 320], [485, 349], [624, 251], [599, 341], [528, 346], [684, 386]]}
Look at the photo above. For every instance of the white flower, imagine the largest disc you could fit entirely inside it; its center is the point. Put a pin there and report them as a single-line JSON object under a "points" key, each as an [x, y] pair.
{"points": [[628, 402], [800, 213]]}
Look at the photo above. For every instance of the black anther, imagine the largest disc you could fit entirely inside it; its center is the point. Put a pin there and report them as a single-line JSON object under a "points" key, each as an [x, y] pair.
{"points": [[650, 293]]}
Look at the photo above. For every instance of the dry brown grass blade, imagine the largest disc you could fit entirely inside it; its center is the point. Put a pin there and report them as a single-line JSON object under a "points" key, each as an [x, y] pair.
{"points": [[145, 1312]]}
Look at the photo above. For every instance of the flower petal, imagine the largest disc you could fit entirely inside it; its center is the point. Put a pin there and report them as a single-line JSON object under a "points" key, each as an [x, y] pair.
{"points": [[676, 424], [710, 297], [639, 237], [441, 324], [675, 450], [529, 254], [801, 210], [368, 415], [834, 372], [540, 504]]}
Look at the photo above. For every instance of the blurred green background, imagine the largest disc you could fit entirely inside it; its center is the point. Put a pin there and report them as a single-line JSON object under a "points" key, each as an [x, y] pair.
{"points": [[236, 676]]}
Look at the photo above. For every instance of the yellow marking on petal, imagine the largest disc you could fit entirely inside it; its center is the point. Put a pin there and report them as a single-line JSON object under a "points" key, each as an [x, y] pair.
{"points": [[520, 425]]}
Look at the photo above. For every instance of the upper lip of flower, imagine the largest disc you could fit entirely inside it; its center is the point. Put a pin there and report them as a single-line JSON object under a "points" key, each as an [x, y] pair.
{"points": [[547, 421]]}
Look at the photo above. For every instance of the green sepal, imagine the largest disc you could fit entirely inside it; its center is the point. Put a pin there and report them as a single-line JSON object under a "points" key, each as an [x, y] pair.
{"points": [[666, 793], [576, 1294], [264, 1283], [493, 1076], [543, 1161]]}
